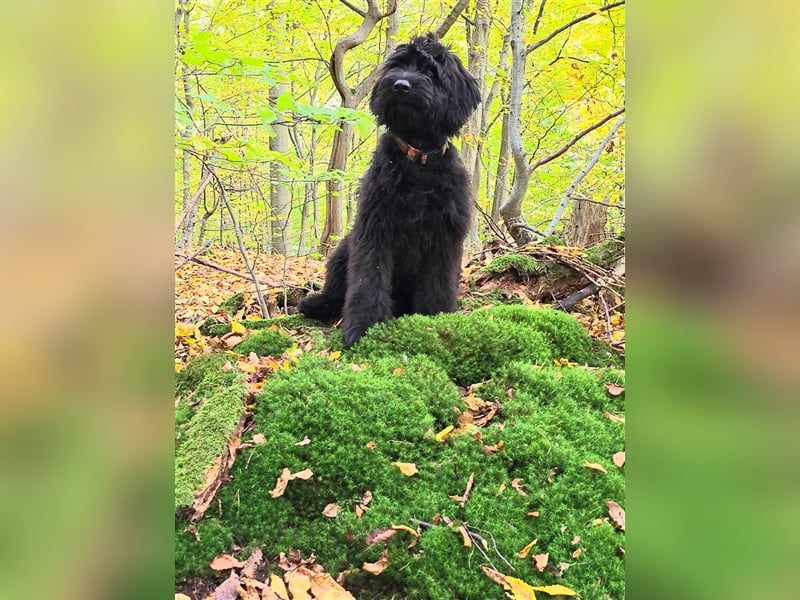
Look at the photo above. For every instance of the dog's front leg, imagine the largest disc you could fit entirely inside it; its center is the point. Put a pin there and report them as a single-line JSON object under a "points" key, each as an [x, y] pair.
{"points": [[369, 290]]}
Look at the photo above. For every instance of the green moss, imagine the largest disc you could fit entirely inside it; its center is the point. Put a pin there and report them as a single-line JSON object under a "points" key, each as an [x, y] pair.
{"points": [[381, 402], [606, 252], [233, 304], [469, 347], [266, 342], [564, 334], [523, 264], [202, 429], [552, 240], [213, 327]]}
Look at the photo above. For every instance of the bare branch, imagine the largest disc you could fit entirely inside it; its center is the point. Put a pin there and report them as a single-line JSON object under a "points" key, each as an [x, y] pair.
{"points": [[580, 135], [451, 18], [566, 26], [354, 8], [574, 185]]}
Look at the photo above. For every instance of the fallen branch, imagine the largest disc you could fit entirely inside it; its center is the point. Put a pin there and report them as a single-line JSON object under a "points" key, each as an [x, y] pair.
{"points": [[187, 259]]}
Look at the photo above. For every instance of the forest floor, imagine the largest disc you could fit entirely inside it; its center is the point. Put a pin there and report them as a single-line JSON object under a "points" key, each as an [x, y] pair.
{"points": [[547, 469]]}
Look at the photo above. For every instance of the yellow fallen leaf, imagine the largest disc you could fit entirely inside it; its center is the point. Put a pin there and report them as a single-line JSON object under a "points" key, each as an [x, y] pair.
{"points": [[277, 586], [527, 549], [519, 589], [182, 597], [465, 536], [444, 433], [407, 469], [299, 584], [335, 355], [594, 466], [555, 590], [237, 327], [398, 371]]}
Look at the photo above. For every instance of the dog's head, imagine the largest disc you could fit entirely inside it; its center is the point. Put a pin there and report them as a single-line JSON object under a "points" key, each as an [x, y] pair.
{"points": [[423, 90]]}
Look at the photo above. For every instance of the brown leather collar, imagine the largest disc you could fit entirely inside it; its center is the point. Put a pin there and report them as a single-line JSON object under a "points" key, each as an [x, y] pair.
{"points": [[415, 155]]}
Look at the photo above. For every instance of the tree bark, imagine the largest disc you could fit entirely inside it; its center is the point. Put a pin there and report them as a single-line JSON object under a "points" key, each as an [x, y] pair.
{"points": [[279, 194]]}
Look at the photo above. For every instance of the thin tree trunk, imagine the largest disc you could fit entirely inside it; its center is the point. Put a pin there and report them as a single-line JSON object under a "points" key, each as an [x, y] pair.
{"points": [[280, 198]]}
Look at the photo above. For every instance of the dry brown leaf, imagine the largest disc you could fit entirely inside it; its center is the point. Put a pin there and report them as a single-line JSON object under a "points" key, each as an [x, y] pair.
{"points": [[540, 561], [228, 589], [231, 340], [501, 489], [409, 530], [224, 562], [371, 445], [495, 576], [407, 469], [259, 438], [360, 510], [299, 585], [614, 418], [465, 536], [594, 466], [527, 549], [331, 510], [398, 371], [323, 586], [489, 450], [577, 553], [617, 514], [619, 459], [182, 597], [253, 562], [376, 536], [378, 567], [304, 474], [366, 498], [614, 389], [533, 513], [518, 485], [304, 442], [248, 592], [280, 485]]}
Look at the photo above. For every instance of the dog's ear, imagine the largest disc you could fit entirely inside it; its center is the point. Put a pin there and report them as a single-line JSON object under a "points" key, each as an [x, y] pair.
{"points": [[465, 95]]}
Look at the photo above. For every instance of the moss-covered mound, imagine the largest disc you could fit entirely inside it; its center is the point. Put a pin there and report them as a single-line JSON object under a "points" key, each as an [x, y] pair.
{"points": [[210, 404], [266, 342], [349, 419], [472, 347]]}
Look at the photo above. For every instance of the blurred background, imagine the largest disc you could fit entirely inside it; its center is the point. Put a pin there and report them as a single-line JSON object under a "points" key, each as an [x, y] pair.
{"points": [[86, 228]]}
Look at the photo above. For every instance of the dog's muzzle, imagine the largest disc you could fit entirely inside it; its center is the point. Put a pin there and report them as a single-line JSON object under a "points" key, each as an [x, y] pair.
{"points": [[402, 86]]}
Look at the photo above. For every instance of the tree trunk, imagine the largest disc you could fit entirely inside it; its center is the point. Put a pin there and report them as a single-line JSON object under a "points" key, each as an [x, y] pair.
{"points": [[279, 194], [587, 225], [470, 148], [181, 34], [501, 187]]}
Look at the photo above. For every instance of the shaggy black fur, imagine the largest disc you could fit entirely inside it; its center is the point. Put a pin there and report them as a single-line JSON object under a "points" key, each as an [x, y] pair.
{"points": [[404, 253]]}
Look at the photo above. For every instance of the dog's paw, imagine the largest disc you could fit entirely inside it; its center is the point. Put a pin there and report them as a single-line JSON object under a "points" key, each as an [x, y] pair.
{"points": [[352, 335], [320, 306]]}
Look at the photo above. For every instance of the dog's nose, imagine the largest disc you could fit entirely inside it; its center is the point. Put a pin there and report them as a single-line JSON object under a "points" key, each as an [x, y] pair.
{"points": [[402, 85]]}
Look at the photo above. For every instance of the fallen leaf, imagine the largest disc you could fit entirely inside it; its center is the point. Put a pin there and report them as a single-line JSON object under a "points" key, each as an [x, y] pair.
{"points": [[331, 510], [335, 355], [371, 445], [533, 513], [259, 438], [465, 536], [527, 549], [253, 562], [360, 510], [277, 586], [237, 327], [366, 498], [378, 567], [407, 469], [376, 536], [444, 433], [495, 576], [617, 514], [304, 442], [299, 584], [304, 474], [398, 371], [280, 485], [409, 530], [517, 485], [577, 553], [619, 459], [540, 561], [519, 589], [555, 590], [224, 562], [228, 589], [356, 367], [595, 466], [182, 597], [613, 417], [614, 389], [323, 586], [489, 450], [575, 540]]}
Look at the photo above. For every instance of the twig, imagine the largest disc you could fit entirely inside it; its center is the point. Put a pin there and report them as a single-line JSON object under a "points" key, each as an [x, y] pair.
{"points": [[608, 316], [566, 26], [213, 265], [202, 249], [468, 490]]}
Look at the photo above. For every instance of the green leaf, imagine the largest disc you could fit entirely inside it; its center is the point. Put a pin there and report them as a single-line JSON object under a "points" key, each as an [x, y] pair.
{"points": [[285, 102]]}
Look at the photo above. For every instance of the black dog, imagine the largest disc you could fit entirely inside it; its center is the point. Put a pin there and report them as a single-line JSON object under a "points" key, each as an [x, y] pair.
{"points": [[404, 253]]}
